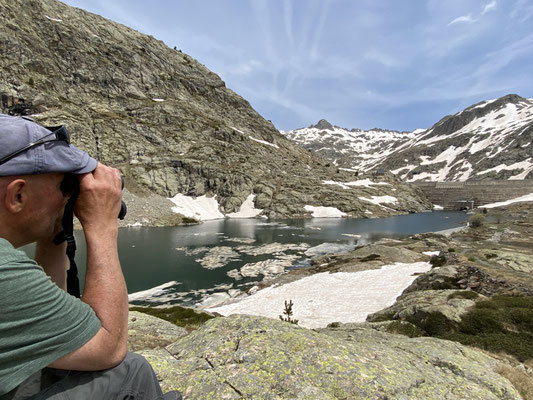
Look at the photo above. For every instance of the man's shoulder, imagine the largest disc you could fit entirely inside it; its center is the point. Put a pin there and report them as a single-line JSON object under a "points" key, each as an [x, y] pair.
{"points": [[9, 254]]}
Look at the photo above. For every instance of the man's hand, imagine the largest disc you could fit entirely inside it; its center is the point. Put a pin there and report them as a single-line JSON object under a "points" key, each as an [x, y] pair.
{"points": [[97, 208], [99, 201]]}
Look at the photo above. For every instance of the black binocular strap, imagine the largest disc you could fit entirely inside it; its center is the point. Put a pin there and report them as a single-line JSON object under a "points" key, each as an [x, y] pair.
{"points": [[73, 283]]}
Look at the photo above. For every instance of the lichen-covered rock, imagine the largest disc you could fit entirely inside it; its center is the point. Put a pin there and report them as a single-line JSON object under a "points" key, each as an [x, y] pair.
{"points": [[258, 358], [147, 332], [415, 306]]}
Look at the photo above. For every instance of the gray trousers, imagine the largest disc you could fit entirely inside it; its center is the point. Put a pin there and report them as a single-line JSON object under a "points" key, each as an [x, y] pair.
{"points": [[132, 379]]}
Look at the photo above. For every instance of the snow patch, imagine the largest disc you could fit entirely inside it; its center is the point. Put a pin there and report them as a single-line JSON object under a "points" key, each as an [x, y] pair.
{"points": [[363, 182], [378, 200], [325, 212], [316, 298], [247, 209], [202, 208], [53, 19], [527, 197], [264, 142], [153, 293]]}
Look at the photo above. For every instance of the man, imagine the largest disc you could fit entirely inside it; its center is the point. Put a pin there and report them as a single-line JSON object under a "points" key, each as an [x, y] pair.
{"points": [[40, 324]]}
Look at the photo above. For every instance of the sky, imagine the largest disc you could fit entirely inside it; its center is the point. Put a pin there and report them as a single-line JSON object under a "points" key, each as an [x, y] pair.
{"points": [[389, 64]]}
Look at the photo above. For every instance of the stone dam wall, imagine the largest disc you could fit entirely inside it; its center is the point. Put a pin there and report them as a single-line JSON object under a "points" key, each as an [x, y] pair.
{"points": [[472, 194]]}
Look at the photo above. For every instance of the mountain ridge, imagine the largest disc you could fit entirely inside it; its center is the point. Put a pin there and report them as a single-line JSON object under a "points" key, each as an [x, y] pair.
{"points": [[487, 140]]}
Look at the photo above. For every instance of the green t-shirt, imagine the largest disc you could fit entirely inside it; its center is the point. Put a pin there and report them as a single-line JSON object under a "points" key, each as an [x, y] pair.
{"points": [[39, 322]]}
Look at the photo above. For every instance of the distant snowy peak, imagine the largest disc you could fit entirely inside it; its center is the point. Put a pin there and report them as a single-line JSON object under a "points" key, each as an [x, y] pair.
{"points": [[350, 148], [489, 140], [492, 139], [322, 125]]}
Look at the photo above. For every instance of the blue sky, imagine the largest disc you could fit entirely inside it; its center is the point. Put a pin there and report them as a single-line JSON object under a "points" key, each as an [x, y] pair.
{"points": [[357, 63]]}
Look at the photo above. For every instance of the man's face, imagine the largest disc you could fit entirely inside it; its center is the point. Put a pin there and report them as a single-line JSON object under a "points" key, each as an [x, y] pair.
{"points": [[46, 204]]}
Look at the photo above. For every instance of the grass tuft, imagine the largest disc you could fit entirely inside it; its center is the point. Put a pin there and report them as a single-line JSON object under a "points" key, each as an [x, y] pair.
{"points": [[181, 316]]}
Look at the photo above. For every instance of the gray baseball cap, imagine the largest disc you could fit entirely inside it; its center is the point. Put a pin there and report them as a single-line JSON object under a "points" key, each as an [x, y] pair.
{"points": [[27, 148]]}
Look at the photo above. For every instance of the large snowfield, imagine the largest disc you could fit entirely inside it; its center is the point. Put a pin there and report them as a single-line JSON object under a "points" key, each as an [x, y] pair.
{"points": [[331, 297]]}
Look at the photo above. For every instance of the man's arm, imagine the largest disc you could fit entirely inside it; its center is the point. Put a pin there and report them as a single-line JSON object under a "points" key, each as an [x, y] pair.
{"points": [[105, 289], [54, 261]]}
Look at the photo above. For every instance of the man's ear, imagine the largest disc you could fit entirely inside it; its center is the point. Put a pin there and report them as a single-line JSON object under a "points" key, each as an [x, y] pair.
{"points": [[16, 195]]}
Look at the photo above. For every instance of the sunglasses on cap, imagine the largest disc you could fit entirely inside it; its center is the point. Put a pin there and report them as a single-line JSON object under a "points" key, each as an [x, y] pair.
{"points": [[59, 134]]}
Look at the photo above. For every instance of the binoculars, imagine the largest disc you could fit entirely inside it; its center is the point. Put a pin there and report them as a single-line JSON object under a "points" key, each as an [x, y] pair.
{"points": [[70, 187]]}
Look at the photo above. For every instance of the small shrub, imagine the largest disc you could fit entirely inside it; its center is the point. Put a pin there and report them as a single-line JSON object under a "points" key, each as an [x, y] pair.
{"points": [[404, 328], [370, 257], [451, 250], [463, 294], [481, 321], [501, 324], [288, 312], [491, 255], [476, 220], [31, 82], [437, 324], [437, 261], [380, 317]]}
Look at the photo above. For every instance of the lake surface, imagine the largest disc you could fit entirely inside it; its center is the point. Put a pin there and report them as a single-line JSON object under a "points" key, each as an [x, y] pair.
{"points": [[230, 256]]}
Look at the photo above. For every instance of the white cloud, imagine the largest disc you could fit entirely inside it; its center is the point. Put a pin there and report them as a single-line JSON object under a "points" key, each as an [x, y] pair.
{"points": [[245, 68], [463, 19], [489, 7]]}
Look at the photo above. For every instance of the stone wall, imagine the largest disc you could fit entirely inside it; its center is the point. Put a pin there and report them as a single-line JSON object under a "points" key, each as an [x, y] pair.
{"points": [[471, 194]]}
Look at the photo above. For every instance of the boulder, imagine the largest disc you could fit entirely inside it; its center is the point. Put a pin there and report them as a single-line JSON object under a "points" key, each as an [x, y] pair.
{"points": [[417, 306], [259, 358], [148, 332]]}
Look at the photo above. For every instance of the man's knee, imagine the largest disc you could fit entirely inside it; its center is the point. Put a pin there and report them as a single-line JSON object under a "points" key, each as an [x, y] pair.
{"points": [[137, 364]]}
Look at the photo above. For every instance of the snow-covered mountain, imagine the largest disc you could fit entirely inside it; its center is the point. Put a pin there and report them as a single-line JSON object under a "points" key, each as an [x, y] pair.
{"points": [[489, 140], [351, 149]]}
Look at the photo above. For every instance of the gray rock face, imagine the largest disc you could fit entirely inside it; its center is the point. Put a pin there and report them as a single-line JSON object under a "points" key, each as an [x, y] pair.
{"points": [[322, 124], [167, 122], [258, 358]]}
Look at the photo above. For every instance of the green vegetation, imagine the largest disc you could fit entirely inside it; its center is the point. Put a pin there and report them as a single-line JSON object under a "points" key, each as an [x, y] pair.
{"points": [[501, 324], [476, 220], [382, 316], [404, 328], [463, 294], [180, 316], [434, 324], [437, 261], [288, 313]]}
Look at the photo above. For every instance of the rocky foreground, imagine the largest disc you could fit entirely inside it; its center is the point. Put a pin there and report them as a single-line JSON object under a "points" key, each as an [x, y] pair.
{"points": [[392, 355]]}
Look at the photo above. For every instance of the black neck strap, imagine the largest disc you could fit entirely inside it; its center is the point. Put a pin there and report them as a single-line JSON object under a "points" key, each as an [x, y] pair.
{"points": [[73, 283]]}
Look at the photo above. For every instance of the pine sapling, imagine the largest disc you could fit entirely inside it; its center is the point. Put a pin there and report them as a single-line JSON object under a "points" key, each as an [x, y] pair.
{"points": [[288, 313]]}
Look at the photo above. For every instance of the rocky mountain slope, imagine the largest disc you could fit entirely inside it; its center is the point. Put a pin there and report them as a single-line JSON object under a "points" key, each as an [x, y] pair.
{"points": [[167, 122], [489, 140]]}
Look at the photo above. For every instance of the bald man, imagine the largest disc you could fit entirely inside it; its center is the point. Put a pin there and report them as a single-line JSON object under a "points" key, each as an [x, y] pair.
{"points": [[41, 325]]}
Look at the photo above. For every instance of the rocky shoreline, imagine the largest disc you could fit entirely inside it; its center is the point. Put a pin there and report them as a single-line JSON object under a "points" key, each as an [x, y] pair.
{"points": [[255, 357]]}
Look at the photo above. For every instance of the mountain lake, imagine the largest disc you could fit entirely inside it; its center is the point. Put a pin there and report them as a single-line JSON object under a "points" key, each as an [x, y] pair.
{"points": [[190, 265]]}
